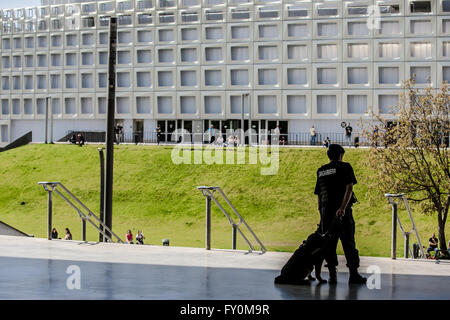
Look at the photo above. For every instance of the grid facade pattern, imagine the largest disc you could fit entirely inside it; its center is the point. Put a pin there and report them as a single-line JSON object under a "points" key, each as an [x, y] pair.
{"points": [[193, 59]]}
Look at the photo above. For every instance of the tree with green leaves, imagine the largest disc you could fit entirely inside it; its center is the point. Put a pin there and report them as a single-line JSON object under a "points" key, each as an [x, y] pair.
{"points": [[409, 152]]}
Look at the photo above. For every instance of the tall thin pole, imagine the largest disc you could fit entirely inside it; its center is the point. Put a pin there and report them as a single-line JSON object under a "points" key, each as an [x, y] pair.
{"points": [[394, 231], [102, 191], [51, 121], [110, 123], [249, 99], [208, 223], [242, 121], [46, 119], [49, 214]]}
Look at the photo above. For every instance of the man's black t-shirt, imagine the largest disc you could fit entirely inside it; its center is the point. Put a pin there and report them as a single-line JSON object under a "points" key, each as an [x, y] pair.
{"points": [[348, 130], [332, 180], [118, 129], [435, 240]]}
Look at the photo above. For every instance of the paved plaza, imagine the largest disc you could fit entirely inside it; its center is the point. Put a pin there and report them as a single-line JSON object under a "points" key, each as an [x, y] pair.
{"points": [[33, 268]]}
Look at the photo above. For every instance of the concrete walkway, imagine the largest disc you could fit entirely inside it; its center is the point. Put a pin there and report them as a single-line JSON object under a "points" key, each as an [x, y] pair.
{"points": [[33, 268]]}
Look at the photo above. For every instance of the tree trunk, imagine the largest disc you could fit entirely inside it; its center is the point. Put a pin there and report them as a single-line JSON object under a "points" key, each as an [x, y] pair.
{"points": [[441, 233]]}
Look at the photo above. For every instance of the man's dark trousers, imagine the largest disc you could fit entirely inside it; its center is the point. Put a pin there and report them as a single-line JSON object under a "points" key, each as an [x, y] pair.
{"points": [[345, 231]]}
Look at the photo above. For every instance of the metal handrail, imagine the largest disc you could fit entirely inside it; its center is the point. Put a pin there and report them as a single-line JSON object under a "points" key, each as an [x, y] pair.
{"points": [[208, 192], [51, 187], [396, 219]]}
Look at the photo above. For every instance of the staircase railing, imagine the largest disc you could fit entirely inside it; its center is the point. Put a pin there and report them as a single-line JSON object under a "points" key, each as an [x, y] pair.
{"points": [[84, 213], [394, 200], [209, 192]]}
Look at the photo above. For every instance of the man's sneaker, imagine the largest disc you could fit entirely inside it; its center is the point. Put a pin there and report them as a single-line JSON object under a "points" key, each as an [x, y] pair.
{"points": [[356, 278]]}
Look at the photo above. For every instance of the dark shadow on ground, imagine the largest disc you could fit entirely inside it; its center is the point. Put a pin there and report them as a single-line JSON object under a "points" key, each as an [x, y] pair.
{"points": [[22, 278]]}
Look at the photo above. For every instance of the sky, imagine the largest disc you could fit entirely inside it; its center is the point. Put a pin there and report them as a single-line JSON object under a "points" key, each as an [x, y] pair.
{"points": [[7, 4]]}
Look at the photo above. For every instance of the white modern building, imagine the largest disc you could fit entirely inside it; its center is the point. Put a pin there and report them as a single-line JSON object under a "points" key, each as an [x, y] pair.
{"points": [[187, 63]]}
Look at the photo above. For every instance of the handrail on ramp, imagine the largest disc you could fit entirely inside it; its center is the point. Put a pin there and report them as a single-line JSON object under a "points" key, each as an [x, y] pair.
{"points": [[83, 212], [209, 192], [394, 200]]}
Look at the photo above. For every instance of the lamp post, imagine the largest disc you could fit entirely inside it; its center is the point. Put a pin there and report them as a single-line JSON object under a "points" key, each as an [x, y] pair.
{"points": [[51, 120], [46, 119], [110, 124], [242, 120]]}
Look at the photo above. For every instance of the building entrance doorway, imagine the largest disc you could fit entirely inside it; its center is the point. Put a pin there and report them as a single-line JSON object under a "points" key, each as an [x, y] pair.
{"points": [[138, 131]]}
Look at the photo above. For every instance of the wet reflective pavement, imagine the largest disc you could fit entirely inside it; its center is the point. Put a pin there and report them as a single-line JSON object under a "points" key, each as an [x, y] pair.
{"points": [[36, 269]]}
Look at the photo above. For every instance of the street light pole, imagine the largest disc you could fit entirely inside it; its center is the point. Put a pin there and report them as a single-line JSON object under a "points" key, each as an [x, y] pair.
{"points": [[110, 124], [46, 120], [249, 119], [51, 120], [242, 120]]}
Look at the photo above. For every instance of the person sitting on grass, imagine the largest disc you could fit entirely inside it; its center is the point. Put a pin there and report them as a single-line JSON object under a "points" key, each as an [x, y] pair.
{"points": [[129, 237], [230, 141], [73, 139], [236, 141], [140, 237], [81, 139], [433, 246], [68, 235], [54, 234]]}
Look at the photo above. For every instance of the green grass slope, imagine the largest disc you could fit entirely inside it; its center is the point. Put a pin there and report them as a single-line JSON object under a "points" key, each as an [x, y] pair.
{"points": [[155, 195]]}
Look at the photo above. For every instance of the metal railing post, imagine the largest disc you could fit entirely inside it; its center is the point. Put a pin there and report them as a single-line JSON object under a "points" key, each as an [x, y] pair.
{"points": [[208, 222], [394, 231], [49, 214], [83, 229], [209, 192], [86, 216], [406, 249], [234, 237]]}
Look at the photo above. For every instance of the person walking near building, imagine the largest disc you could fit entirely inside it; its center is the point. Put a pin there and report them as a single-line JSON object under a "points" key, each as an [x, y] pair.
{"points": [[276, 135], [334, 188], [118, 132], [348, 133], [313, 135], [158, 134], [212, 136]]}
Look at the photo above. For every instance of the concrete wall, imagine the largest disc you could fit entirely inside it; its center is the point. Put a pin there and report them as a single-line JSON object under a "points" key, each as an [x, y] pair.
{"points": [[7, 230], [60, 128]]}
